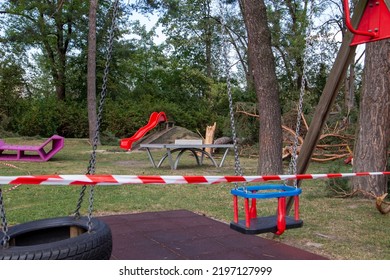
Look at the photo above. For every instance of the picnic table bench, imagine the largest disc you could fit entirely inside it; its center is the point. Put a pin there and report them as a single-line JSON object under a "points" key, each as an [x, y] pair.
{"points": [[181, 147]]}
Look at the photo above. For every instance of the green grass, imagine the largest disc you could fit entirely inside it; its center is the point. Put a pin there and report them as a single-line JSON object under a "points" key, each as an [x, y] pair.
{"points": [[333, 227]]}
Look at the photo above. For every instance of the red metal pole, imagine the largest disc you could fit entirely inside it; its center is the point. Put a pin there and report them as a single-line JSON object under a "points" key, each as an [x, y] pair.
{"points": [[281, 218], [247, 216], [296, 207], [253, 210], [235, 205]]}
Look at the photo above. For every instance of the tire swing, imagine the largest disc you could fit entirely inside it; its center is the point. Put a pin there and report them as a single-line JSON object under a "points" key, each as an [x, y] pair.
{"points": [[253, 224], [63, 238]]}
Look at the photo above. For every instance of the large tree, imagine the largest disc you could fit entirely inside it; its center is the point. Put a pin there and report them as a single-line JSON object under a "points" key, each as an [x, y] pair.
{"points": [[373, 136], [266, 87], [49, 26], [190, 30], [91, 71]]}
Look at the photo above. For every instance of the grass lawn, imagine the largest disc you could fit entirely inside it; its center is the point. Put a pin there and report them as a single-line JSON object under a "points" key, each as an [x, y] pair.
{"points": [[347, 229]]}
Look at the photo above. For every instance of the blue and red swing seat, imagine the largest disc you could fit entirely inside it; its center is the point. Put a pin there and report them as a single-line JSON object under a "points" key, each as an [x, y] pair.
{"points": [[277, 224]]}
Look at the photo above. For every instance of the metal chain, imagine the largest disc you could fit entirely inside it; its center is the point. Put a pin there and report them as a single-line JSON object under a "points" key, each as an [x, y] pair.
{"points": [[293, 162], [92, 161], [90, 208], [80, 202], [4, 224], [237, 164]]}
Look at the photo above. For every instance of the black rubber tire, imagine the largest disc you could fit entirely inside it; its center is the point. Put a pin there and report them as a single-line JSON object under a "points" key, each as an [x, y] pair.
{"points": [[49, 239]]}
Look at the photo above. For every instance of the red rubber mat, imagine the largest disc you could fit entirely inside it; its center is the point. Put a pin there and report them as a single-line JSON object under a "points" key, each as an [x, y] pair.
{"points": [[184, 235]]}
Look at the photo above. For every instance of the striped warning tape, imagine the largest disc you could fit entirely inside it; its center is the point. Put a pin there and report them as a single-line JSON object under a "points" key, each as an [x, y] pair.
{"points": [[13, 166], [158, 179]]}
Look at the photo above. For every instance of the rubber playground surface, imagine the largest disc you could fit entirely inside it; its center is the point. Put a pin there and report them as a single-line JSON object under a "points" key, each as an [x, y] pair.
{"points": [[184, 235]]}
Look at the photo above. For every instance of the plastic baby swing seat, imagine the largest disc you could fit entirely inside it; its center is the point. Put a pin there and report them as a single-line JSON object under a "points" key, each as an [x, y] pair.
{"points": [[252, 224]]}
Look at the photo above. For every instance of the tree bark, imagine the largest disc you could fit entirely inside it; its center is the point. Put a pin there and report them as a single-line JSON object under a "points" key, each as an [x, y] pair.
{"points": [[371, 147], [349, 91], [91, 75], [208, 39], [265, 81]]}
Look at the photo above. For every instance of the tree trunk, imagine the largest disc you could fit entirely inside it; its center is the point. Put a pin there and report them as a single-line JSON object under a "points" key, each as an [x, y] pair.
{"points": [[61, 76], [263, 66], [349, 97], [208, 39], [349, 92], [370, 153], [91, 80]]}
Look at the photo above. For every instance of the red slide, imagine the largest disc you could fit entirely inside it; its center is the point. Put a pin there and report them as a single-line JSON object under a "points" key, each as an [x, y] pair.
{"points": [[154, 119]]}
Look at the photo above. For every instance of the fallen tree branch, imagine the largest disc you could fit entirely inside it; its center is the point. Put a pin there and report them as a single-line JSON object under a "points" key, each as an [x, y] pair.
{"points": [[330, 157], [381, 205]]}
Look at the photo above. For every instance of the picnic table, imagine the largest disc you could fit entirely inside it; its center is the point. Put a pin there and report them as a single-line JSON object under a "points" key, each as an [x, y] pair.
{"points": [[195, 149]]}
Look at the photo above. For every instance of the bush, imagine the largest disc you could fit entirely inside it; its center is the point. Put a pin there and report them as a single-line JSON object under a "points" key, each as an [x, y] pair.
{"points": [[73, 120], [123, 118], [41, 117], [45, 117]]}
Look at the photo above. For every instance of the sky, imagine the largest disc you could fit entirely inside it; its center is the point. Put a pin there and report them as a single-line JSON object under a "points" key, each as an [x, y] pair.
{"points": [[149, 22]]}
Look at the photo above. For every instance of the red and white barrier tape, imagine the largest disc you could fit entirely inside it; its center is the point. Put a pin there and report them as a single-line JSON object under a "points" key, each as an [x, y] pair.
{"points": [[13, 166], [9, 165], [154, 179]]}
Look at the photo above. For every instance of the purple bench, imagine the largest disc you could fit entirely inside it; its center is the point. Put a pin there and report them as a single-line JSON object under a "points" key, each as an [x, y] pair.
{"points": [[42, 152]]}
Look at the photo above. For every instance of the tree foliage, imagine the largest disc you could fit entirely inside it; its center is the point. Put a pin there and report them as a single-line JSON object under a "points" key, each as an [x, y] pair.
{"points": [[183, 75], [53, 27]]}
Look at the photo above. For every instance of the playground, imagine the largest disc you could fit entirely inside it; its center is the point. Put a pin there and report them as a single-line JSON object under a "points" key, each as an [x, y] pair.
{"points": [[193, 211], [334, 228]]}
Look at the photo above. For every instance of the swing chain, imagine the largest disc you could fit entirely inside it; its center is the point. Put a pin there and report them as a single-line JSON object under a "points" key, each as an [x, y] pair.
{"points": [[294, 154], [293, 162], [237, 164], [92, 161], [4, 223], [90, 208]]}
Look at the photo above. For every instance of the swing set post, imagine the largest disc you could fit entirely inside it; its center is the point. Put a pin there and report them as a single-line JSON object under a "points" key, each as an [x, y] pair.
{"points": [[335, 80]]}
